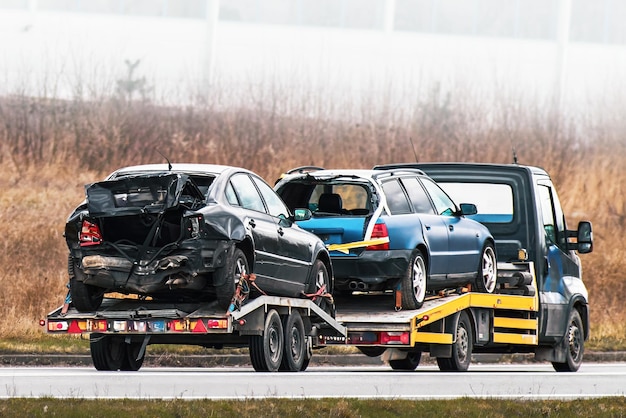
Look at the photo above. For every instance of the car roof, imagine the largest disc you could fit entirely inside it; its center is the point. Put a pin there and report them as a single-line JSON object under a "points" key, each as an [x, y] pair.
{"points": [[179, 167], [362, 173]]}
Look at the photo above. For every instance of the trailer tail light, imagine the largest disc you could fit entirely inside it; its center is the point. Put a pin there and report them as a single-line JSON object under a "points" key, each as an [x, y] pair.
{"points": [[379, 231], [89, 234], [394, 338]]}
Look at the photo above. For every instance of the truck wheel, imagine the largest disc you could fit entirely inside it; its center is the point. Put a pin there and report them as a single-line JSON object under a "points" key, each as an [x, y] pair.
{"points": [[295, 343], [461, 348], [107, 353], [319, 277], [414, 282], [229, 275], [574, 344], [132, 362], [487, 270], [409, 363], [85, 298], [266, 351]]}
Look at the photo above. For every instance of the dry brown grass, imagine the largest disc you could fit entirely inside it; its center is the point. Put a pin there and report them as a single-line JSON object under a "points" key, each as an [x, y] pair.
{"points": [[51, 148]]}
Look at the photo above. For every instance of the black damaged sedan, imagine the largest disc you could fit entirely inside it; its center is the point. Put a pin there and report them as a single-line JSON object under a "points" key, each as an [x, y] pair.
{"points": [[187, 232]]}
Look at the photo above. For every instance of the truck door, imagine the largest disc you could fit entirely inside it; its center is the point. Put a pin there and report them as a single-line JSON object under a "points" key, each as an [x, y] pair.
{"points": [[559, 275]]}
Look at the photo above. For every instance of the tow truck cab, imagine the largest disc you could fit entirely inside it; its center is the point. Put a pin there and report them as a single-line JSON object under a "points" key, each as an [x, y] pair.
{"points": [[520, 206]]}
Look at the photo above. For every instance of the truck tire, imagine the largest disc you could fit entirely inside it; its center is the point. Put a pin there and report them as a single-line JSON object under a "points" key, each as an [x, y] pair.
{"points": [[414, 282], [107, 353], [487, 275], [319, 277], [85, 298], [461, 348], [574, 343], [409, 363], [294, 352], [132, 361], [266, 351], [228, 277]]}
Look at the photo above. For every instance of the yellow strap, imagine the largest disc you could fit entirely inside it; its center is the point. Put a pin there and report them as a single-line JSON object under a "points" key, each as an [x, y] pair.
{"points": [[345, 248]]}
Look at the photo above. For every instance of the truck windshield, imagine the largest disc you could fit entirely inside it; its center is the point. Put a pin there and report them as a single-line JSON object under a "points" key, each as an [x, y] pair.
{"points": [[494, 201]]}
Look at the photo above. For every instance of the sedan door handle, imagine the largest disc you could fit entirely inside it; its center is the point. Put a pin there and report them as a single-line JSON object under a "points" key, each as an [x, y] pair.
{"points": [[252, 223], [281, 232]]}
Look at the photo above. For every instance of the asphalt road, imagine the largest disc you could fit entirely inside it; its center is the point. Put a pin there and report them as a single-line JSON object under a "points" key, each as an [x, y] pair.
{"points": [[512, 381]]}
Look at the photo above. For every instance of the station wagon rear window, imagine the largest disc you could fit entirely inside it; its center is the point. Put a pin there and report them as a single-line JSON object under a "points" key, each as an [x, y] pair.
{"points": [[493, 201]]}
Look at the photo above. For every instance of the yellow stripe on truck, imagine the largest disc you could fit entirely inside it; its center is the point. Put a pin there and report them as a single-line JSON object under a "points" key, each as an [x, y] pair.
{"points": [[345, 248]]}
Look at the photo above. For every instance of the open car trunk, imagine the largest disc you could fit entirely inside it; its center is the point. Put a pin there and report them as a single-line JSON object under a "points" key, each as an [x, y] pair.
{"points": [[143, 210]]}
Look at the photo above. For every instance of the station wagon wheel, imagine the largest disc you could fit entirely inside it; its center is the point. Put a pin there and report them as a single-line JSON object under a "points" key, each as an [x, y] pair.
{"points": [[228, 276], [461, 347], [319, 279], [266, 351], [487, 270], [574, 344], [295, 343], [414, 282]]}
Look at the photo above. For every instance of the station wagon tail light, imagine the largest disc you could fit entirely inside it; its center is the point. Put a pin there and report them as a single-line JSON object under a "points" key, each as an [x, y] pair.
{"points": [[89, 234], [379, 231]]}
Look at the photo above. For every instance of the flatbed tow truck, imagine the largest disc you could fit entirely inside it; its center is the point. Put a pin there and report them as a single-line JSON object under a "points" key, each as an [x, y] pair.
{"points": [[540, 304], [282, 332]]}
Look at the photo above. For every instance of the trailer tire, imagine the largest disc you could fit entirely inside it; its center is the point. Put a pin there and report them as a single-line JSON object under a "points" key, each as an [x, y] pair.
{"points": [[373, 351], [294, 353], [487, 275], [266, 351], [409, 363], [107, 353], [574, 342], [461, 348], [414, 282], [85, 297], [132, 362], [228, 277]]}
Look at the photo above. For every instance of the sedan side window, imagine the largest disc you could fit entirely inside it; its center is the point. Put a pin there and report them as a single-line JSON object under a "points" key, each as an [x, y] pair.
{"points": [[247, 193], [274, 204], [396, 198], [443, 204]]}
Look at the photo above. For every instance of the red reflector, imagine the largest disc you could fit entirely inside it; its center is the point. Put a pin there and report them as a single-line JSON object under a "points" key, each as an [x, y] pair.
{"points": [[89, 234], [379, 231], [199, 327], [425, 318], [400, 338], [74, 328]]}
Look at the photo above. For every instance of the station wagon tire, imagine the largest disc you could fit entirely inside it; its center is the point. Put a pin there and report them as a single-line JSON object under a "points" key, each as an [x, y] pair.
{"points": [[266, 351], [319, 277], [487, 270], [414, 282], [108, 353], [461, 348], [132, 362], [85, 298], [228, 277], [574, 344], [295, 343], [409, 363]]}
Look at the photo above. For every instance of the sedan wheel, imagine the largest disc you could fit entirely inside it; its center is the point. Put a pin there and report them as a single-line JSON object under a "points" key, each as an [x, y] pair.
{"points": [[414, 283], [228, 277]]}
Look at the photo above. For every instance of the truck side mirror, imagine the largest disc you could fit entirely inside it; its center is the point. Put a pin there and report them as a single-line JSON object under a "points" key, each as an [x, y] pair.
{"points": [[584, 237], [302, 214]]}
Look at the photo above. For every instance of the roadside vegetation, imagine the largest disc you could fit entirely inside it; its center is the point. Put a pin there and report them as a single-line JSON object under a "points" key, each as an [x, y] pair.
{"points": [[50, 148]]}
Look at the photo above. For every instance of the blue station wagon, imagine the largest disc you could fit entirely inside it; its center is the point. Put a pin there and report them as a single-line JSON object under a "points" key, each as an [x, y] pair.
{"points": [[392, 229]]}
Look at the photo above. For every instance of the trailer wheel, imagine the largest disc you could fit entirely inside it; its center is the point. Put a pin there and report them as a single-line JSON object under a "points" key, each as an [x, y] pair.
{"points": [[266, 351], [487, 270], [574, 344], [319, 278], [229, 275], [461, 348], [85, 298], [107, 352], [409, 363], [414, 282], [294, 353], [371, 351], [132, 362]]}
